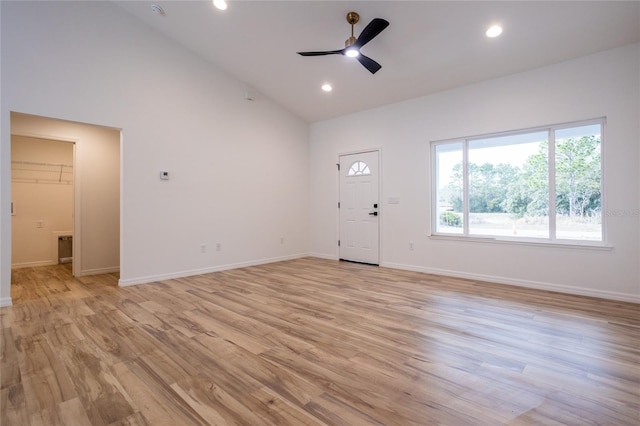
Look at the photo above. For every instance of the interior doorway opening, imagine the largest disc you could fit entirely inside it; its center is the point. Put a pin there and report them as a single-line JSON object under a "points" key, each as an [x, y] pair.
{"points": [[65, 195], [42, 207]]}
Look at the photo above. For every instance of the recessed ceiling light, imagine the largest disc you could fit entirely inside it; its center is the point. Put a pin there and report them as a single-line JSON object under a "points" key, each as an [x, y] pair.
{"points": [[220, 4], [327, 87], [494, 31]]}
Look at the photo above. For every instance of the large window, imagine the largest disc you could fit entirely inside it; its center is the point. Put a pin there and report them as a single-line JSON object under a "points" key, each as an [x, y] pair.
{"points": [[543, 184]]}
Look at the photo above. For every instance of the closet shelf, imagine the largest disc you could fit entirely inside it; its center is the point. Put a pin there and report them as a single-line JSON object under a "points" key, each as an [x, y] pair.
{"points": [[34, 172]]}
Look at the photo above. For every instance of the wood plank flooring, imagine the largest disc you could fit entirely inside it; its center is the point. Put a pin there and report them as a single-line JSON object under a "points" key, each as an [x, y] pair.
{"points": [[313, 342]]}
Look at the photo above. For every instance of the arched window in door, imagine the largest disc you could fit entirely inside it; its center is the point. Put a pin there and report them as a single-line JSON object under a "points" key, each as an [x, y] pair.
{"points": [[359, 168]]}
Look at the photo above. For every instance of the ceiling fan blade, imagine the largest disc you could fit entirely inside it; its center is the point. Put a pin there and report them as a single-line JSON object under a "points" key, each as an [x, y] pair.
{"points": [[327, 52], [369, 63], [375, 27]]}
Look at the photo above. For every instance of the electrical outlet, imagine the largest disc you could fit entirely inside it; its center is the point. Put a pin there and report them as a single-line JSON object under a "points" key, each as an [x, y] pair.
{"points": [[40, 223], [281, 240], [218, 247], [411, 245], [203, 248]]}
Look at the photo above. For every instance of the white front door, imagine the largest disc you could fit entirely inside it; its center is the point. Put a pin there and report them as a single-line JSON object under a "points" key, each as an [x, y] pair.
{"points": [[359, 208]]}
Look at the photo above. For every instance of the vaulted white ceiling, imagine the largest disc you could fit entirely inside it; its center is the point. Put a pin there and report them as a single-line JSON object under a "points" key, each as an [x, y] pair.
{"points": [[429, 46]]}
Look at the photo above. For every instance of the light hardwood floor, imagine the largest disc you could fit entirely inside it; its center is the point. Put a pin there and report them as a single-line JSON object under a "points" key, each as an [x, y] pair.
{"points": [[313, 342]]}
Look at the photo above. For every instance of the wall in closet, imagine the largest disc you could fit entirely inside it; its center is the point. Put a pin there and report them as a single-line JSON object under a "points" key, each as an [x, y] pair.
{"points": [[42, 199]]}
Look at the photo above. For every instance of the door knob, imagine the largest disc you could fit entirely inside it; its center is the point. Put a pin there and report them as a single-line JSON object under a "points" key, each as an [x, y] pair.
{"points": [[373, 214]]}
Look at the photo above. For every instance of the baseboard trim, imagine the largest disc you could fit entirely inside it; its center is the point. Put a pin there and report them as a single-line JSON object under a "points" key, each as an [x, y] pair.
{"points": [[538, 285], [189, 273], [611, 295], [98, 271], [5, 301], [33, 264]]}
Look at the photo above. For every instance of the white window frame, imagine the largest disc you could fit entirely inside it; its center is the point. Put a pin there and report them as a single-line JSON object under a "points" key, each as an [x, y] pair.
{"points": [[552, 240]]}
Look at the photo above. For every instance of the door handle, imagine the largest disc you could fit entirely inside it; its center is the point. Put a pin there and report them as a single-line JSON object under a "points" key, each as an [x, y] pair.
{"points": [[373, 214]]}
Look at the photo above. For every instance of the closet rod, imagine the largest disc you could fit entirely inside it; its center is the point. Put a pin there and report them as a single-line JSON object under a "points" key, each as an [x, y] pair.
{"points": [[33, 163]]}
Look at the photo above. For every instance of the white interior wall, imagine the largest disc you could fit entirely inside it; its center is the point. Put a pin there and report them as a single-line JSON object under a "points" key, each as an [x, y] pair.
{"points": [[41, 206], [238, 168], [97, 201], [605, 84], [243, 174]]}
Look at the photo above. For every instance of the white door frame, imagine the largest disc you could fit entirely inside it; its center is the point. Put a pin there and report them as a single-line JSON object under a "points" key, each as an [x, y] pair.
{"points": [[380, 209]]}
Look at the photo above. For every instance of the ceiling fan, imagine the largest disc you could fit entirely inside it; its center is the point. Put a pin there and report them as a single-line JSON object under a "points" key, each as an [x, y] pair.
{"points": [[353, 45]]}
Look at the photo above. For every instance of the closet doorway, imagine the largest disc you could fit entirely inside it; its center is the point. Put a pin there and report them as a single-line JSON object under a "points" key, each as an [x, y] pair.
{"points": [[42, 207], [70, 210]]}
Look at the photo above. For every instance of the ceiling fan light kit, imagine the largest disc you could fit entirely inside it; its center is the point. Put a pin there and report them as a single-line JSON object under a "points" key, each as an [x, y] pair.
{"points": [[353, 45]]}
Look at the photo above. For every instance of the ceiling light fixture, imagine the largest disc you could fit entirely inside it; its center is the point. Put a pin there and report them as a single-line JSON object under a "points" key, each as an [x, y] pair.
{"points": [[327, 87], [352, 52], [220, 4], [353, 45], [494, 31]]}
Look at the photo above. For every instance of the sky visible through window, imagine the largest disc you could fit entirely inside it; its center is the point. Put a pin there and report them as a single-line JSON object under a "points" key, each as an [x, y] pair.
{"points": [[515, 152]]}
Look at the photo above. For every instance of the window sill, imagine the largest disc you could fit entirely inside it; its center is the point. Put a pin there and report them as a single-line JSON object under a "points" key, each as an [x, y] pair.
{"points": [[580, 245]]}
